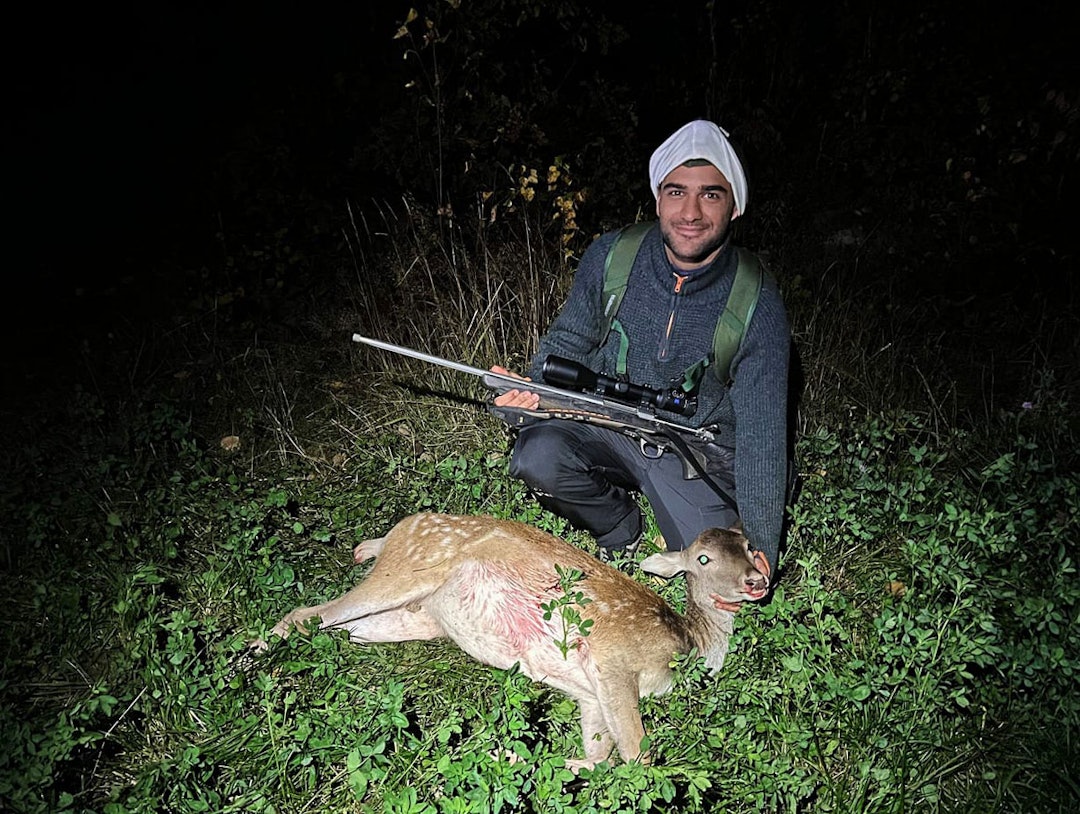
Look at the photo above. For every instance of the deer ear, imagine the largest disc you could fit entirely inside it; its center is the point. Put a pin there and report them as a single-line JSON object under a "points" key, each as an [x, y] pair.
{"points": [[666, 564]]}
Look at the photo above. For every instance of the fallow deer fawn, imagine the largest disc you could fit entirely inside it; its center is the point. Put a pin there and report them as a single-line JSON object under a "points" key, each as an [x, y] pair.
{"points": [[481, 582]]}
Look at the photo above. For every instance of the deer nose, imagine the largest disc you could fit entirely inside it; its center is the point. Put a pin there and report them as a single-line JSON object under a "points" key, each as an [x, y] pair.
{"points": [[758, 582]]}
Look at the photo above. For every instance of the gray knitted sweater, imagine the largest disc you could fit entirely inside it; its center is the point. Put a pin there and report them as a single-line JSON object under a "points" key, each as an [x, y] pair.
{"points": [[669, 329]]}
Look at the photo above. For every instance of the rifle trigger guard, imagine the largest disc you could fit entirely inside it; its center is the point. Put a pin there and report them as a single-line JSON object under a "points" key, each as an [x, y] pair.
{"points": [[650, 450]]}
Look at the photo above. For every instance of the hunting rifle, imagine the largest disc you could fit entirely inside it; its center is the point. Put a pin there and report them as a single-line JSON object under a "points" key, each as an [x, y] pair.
{"points": [[634, 415]]}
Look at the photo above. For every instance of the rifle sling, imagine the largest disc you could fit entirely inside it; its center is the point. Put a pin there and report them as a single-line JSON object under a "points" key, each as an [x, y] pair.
{"points": [[688, 456], [672, 435]]}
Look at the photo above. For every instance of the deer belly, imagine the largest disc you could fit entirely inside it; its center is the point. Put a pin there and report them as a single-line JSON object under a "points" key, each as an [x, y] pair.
{"points": [[496, 618]]}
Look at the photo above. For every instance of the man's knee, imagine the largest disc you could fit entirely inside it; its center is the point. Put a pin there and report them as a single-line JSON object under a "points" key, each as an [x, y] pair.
{"points": [[540, 456]]}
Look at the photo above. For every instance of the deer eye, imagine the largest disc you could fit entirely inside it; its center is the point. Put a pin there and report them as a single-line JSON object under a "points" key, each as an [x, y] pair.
{"points": [[703, 559]]}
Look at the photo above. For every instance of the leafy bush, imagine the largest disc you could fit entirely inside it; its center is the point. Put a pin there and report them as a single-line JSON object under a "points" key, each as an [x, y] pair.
{"points": [[907, 658]]}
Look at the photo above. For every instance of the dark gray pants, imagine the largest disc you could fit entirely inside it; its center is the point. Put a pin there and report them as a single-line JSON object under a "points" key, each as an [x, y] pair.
{"points": [[591, 476]]}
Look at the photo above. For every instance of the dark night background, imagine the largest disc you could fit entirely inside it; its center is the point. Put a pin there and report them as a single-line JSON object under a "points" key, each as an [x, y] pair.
{"points": [[128, 118], [151, 141], [183, 271]]}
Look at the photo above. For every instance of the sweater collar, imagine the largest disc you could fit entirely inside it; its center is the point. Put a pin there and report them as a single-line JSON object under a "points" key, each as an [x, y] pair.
{"points": [[725, 262]]}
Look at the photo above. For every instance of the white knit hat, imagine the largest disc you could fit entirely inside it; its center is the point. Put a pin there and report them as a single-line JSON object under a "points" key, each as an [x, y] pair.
{"points": [[700, 139]]}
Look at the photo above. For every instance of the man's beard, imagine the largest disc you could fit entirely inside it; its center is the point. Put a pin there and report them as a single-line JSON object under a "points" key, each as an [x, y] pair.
{"points": [[702, 255]]}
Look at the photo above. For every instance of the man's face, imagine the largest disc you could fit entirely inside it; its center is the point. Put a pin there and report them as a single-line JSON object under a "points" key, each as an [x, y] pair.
{"points": [[695, 208]]}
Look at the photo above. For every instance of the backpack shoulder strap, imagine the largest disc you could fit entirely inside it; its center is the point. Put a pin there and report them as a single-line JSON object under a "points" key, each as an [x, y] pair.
{"points": [[617, 265], [730, 327], [737, 314]]}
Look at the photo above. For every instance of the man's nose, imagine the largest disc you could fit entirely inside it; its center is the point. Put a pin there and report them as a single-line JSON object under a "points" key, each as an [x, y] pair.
{"points": [[691, 209]]}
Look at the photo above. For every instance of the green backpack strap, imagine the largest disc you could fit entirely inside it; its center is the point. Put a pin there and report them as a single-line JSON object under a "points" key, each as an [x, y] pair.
{"points": [[730, 327], [617, 265], [738, 312]]}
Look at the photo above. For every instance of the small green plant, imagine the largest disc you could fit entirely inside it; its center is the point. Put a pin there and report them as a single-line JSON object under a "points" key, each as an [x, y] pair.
{"points": [[567, 605]]}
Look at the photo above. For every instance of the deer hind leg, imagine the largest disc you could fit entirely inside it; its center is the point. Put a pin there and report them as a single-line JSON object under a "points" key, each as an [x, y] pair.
{"points": [[380, 593], [368, 549], [398, 625], [296, 618]]}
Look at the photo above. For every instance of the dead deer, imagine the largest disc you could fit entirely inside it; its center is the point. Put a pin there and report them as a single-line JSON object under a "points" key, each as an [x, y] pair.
{"points": [[482, 581]]}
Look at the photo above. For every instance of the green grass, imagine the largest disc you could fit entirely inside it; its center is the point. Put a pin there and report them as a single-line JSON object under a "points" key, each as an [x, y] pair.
{"points": [[920, 653]]}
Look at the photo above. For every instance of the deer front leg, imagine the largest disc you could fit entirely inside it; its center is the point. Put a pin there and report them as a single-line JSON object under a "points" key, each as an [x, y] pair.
{"points": [[595, 736], [619, 704]]}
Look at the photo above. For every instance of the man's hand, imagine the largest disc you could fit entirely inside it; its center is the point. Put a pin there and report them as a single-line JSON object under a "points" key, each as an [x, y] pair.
{"points": [[524, 399], [761, 562]]}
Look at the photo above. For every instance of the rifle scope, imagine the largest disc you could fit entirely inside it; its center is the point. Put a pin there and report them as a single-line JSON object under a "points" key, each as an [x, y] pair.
{"points": [[561, 372]]}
